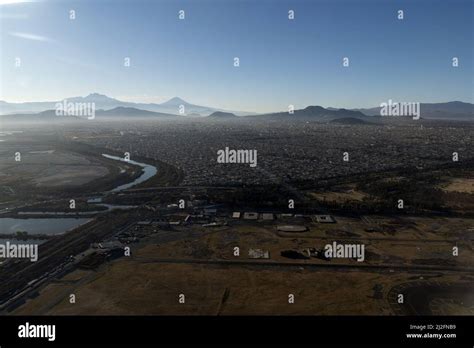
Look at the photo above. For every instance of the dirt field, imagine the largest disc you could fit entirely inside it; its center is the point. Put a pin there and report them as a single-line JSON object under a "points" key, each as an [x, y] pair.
{"points": [[463, 185], [49, 168], [345, 194], [150, 281], [133, 287], [129, 287]]}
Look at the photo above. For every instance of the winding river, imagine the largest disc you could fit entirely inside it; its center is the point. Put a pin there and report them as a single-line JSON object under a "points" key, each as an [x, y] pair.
{"points": [[148, 172]]}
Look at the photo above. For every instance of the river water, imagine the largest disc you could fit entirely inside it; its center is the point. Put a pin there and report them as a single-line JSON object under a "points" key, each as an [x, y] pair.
{"points": [[148, 172], [40, 226]]}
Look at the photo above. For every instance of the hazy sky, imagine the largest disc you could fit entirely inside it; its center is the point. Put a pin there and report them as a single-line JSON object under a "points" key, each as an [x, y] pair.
{"points": [[281, 61]]}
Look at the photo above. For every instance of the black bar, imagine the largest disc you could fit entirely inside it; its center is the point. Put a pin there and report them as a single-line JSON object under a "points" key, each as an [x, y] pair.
{"points": [[134, 330]]}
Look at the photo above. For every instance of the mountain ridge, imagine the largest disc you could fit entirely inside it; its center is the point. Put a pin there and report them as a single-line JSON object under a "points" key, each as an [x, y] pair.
{"points": [[457, 110], [452, 110], [102, 101]]}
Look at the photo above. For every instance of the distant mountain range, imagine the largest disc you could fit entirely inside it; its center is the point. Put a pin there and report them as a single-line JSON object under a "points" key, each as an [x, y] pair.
{"points": [[174, 106], [115, 113], [122, 111], [455, 110], [107, 107], [222, 115], [316, 112]]}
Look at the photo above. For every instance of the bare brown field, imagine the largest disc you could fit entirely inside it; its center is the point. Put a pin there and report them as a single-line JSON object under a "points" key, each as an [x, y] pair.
{"points": [[150, 281], [463, 185], [134, 287], [46, 167], [458, 194], [346, 194]]}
